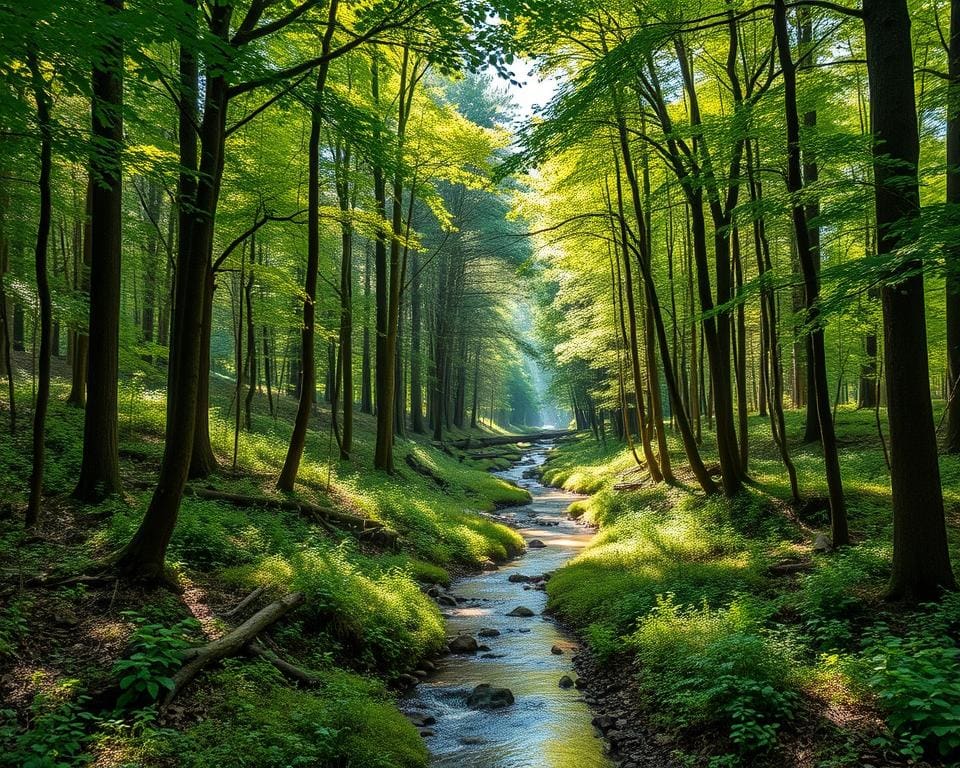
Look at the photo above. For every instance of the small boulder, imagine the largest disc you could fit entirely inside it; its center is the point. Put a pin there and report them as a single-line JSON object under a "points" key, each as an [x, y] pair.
{"points": [[488, 632], [463, 644], [485, 696], [535, 544], [407, 681], [521, 611], [566, 682], [427, 733], [445, 599], [556, 650], [518, 578], [822, 543]]}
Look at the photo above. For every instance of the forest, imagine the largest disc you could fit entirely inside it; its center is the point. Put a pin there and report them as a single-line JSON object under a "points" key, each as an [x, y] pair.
{"points": [[479, 383]]}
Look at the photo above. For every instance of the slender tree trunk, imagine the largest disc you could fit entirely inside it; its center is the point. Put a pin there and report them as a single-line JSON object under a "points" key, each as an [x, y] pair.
{"points": [[952, 252], [308, 364], [817, 359], [416, 385], [366, 376], [100, 468], [921, 560], [346, 308], [43, 289], [78, 367]]}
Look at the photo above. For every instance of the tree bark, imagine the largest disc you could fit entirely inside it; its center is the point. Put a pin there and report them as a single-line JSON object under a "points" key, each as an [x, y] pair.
{"points": [[100, 468], [921, 560], [42, 100]]}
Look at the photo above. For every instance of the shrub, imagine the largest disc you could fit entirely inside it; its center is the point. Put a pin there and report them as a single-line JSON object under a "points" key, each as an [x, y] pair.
{"points": [[156, 653], [708, 666], [917, 679]]}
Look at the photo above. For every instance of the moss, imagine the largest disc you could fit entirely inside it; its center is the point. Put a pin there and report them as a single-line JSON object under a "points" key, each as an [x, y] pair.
{"points": [[254, 719]]}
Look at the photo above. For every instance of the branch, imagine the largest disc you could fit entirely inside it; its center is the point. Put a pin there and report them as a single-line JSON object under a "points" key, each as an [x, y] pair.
{"points": [[253, 228]]}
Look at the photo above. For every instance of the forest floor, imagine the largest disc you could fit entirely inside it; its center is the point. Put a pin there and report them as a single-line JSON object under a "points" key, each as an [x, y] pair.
{"points": [[365, 625], [742, 645]]}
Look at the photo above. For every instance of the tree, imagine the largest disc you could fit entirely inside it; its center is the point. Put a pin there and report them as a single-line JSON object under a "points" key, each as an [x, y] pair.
{"points": [[921, 561], [100, 469]]}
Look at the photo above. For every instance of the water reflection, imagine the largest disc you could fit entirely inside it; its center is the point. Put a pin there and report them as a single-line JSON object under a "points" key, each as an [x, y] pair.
{"points": [[547, 727]]}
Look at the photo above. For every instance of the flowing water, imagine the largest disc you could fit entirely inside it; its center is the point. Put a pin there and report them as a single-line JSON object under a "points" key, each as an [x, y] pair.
{"points": [[547, 726]]}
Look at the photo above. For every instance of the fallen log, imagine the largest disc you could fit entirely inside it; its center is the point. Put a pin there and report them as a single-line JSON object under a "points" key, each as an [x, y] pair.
{"points": [[197, 659], [422, 469], [486, 442], [324, 516]]}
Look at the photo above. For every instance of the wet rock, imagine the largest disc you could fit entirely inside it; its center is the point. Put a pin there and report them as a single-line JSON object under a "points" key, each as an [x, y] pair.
{"points": [[407, 681], [483, 647], [422, 719], [488, 632], [566, 682], [448, 600], [518, 578], [494, 656], [489, 565], [579, 683], [521, 611], [428, 665], [535, 544], [434, 591], [603, 723], [427, 733], [420, 673], [463, 644], [470, 741], [822, 543], [485, 696], [556, 650]]}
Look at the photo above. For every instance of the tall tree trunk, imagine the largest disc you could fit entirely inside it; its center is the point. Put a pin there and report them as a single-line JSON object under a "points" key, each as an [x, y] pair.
{"points": [[203, 462], [817, 358], [366, 376], [346, 303], [308, 364], [952, 252], [921, 560], [416, 385], [78, 366], [143, 556], [42, 100], [100, 468]]}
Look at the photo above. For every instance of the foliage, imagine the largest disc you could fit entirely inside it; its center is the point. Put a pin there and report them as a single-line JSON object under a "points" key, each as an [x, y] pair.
{"points": [[156, 652], [917, 680]]}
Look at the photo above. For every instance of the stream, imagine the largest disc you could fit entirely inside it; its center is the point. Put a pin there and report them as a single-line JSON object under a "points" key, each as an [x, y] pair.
{"points": [[547, 726]]}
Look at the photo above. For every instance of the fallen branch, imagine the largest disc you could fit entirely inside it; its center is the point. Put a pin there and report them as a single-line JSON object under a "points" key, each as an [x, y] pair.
{"points": [[255, 648], [323, 515], [238, 608], [197, 659]]}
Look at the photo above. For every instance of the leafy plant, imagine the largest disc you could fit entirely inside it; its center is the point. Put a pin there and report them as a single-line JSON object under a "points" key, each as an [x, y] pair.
{"points": [[57, 737], [156, 652], [917, 679]]}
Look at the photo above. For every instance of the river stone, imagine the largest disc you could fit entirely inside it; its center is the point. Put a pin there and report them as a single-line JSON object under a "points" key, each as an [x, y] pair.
{"points": [[485, 696], [463, 644], [518, 578], [422, 719], [407, 681], [556, 650], [566, 682], [427, 733], [483, 647], [822, 543], [448, 600], [521, 611], [535, 544], [488, 632]]}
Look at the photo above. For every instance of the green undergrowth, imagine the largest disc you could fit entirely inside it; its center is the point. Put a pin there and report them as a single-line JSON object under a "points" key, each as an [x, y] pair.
{"points": [[365, 620], [740, 664]]}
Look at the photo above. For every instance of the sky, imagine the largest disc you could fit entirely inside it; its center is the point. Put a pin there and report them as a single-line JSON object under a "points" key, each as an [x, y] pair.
{"points": [[533, 92]]}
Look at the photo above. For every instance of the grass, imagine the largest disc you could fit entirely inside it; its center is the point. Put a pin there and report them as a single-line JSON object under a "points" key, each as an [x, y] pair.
{"points": [[365, 622], [739, 665]]}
